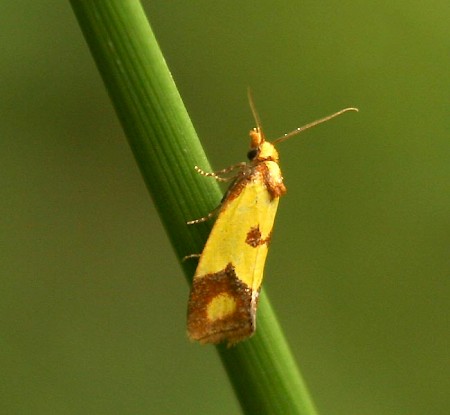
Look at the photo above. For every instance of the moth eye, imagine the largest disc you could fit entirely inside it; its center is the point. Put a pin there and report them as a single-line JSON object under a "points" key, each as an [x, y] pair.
{"points": [[252, 154]]}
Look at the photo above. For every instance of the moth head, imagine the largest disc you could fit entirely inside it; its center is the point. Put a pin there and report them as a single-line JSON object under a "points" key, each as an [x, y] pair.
{"points": [[260, 149]]}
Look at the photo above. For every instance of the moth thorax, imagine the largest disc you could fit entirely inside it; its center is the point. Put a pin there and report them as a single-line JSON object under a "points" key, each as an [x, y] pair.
{"points": [[267, 151]]}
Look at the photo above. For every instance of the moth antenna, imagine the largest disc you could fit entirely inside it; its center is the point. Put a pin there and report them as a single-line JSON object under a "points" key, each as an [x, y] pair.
{"points": [[312, 124], [251, 102]]}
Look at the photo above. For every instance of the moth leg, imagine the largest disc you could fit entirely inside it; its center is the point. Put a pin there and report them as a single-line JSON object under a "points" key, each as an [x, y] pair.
{"points": [[216, 174], [204, 218], [185, 258]]}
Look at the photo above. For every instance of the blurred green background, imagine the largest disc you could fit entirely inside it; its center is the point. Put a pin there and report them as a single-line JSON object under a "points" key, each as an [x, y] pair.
{"points": [[93, 300]]}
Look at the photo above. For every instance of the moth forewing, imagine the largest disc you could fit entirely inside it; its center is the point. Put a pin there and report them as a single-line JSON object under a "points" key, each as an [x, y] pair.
{"points": [[226, 284]]}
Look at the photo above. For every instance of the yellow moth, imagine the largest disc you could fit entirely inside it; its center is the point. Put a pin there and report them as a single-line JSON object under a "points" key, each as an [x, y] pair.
{"points": [[226, 285]]}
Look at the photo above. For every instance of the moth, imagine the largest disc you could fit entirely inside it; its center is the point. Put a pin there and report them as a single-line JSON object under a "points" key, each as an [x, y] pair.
{"points": [[224, 296]]}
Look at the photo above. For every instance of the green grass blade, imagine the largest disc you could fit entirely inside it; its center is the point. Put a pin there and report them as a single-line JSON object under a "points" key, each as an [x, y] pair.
{"points": [[262, 370]]}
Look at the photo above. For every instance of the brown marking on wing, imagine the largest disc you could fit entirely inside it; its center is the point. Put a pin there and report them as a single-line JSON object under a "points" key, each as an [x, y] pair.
{"points": [[244, 176], [275, 185], [254, 237], [234, 326]]}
